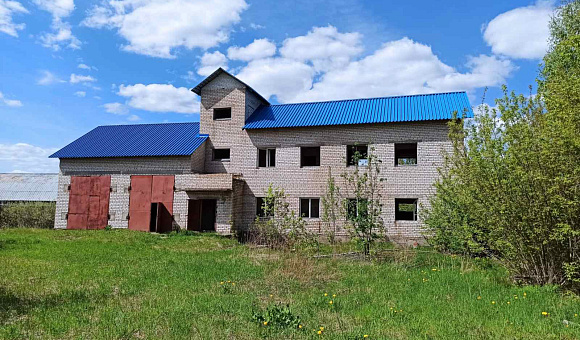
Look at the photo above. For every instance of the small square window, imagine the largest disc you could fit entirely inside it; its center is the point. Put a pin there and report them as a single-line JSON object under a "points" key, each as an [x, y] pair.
{"points": [[266, 158], [310, 207], [358, 153], [222, 113], [405, 154], [405, 209], [221, 155], [310, 156]]}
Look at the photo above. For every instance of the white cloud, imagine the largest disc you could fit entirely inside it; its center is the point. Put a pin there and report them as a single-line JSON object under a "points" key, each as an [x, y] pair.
{"points": [[256, 26], [9, 8], [157, 27], [48, 78], [77, 78], [406, 67], [116, 108], [58, 8], [80, 94], [284, 78], [258, 49], [133, 118], [324, 47], [61, 35], [10, 102], [211, 62], [522, 32], [160, 98], [397, 68], [87, 67], [24, 157]]}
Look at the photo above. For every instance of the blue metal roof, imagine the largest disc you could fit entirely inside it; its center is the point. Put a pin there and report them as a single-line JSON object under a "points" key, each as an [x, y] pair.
{"points": [[437, 106], [142, 140]]}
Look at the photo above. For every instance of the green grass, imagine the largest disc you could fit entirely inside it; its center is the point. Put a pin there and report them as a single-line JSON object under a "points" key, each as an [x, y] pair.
{"points": [[123, 284]]}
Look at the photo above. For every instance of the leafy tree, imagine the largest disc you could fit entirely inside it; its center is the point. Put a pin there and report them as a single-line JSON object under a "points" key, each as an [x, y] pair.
{"points": [[362, 200], [511, 186], [331, 205]]}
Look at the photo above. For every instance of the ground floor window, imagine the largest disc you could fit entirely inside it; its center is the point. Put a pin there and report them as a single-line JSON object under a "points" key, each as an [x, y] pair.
{"points": [[355, 208], [405, 209], [261, 207], [310, 207]]}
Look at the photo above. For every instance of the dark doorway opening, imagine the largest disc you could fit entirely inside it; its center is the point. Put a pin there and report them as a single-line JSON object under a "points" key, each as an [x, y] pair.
{"points": [[153, 220], [201, 215]]}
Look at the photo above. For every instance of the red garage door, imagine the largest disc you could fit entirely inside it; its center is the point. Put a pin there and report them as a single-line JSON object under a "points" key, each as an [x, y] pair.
{"points": [[88, 206], [151, 203]]}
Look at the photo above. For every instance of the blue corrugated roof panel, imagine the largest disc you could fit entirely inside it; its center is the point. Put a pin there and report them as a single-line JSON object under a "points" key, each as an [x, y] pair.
{"points": [[141, 140], [423, 107]]}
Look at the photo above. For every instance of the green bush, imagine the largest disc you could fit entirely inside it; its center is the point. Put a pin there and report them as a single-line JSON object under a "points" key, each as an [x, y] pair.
{"points": [[27, 215]]}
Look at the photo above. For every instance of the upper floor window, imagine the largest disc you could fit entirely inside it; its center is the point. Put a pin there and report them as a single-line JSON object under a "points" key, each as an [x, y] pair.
{"points": [[405, 154], [310, 207], [266, 158], [357, 154], [405, 209], [310, 156], [222, 113], [221, 155]]}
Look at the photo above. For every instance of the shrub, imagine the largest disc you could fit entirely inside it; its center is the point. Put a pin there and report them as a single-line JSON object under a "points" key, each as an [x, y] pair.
{"points": [[27, 215], [277, 316]]}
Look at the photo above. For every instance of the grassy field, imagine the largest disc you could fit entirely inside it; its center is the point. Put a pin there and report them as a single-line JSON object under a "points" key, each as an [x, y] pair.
{"points": [[122, 284]]}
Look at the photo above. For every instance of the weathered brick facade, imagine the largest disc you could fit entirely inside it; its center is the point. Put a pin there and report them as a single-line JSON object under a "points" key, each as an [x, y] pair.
{"points": [[236, 183]]}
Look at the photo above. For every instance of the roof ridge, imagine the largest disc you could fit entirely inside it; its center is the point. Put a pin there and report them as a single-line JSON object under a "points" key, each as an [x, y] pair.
{"points": [[370, 98], [143, 124]]}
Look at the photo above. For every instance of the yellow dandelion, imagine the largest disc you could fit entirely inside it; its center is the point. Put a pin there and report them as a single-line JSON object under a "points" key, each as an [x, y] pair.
{"points": [[300, 326], [321, 328], [365, 336], [265, 323], [229, 281], [333, 295], [575, 315], [525, 294], [479, 297], [221, 283], [434, 269], [319, 332], [493, 302], [516, 297], [233, 283], [325, 294], [508, 302], [271, 295], [330, 302], [544, 313]]}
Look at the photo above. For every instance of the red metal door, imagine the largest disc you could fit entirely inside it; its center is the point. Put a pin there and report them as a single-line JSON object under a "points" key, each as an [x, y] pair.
{"points": [[146, 190], [88, 202], [140, 203], [162, 193]]}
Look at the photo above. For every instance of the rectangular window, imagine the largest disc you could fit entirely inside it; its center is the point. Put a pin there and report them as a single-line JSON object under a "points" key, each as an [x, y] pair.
{"points": [[405, 154], [221, 155], [355, 208], [222, 113], [310, 156], [260, 207], [310, 207], [357, 153], [405, 209], [266, 158]]}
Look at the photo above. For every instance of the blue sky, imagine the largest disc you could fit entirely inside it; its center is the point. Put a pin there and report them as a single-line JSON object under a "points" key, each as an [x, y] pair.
{"points": [[69, 65]]}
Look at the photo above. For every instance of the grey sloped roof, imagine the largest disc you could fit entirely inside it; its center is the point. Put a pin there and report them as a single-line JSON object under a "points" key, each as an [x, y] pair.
{"points": [[28, 187]]}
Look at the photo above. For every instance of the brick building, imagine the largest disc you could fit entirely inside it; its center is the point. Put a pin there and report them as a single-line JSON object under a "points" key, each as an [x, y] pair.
{"points": [[212, 175]]}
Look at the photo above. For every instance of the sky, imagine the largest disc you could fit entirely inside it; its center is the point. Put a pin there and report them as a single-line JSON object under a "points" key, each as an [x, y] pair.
{"points": [[67, 66]]}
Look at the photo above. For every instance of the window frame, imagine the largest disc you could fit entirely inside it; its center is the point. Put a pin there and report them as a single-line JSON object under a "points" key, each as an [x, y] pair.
{"points": [[398, 202], [302, 159], [268, 157], [350, 205], [349, 160], [309, 207], [403, 145], [221, 109], [215, 159]]}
